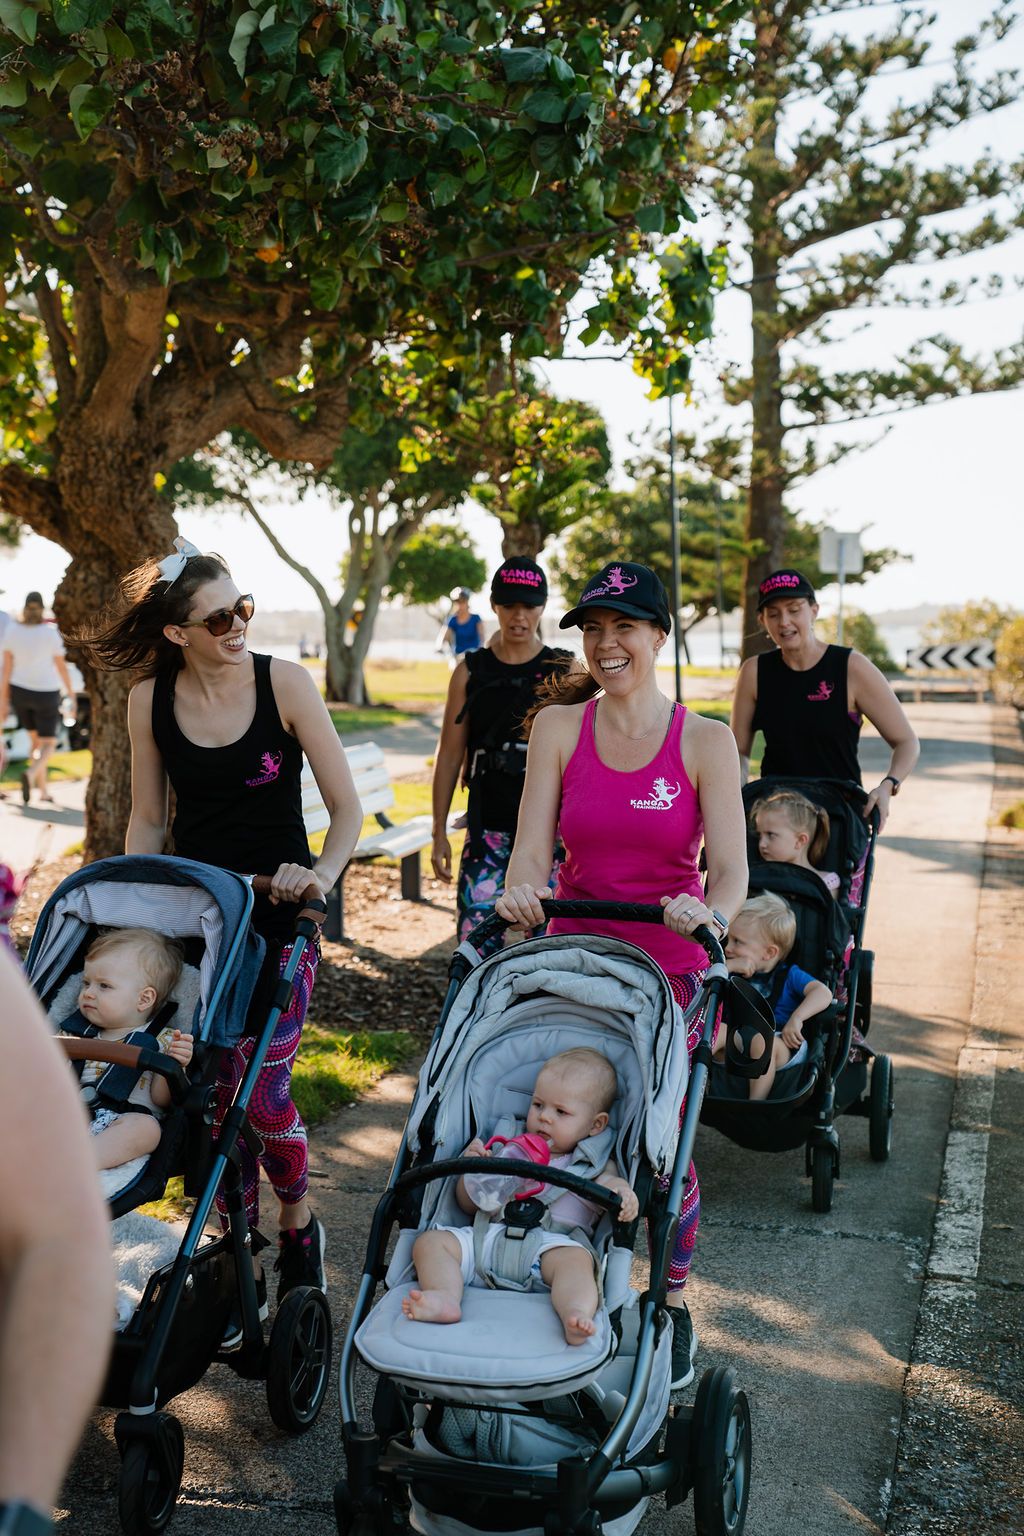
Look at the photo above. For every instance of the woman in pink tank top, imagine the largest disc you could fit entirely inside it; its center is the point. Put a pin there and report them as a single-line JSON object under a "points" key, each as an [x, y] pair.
{"points": [[634, 784]]}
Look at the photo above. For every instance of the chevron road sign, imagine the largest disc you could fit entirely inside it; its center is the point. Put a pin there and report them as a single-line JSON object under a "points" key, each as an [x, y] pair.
{"points": [[954, 658]]}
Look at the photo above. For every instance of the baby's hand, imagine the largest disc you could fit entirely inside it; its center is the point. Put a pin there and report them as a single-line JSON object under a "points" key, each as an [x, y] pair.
{"points": [[737, 967], [792, 1035], [630, 1207], [476, 1148], [180, 1047]]}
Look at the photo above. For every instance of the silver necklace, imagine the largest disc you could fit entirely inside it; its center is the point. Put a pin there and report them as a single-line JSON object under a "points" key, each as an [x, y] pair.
{"points": [[644, 735]]}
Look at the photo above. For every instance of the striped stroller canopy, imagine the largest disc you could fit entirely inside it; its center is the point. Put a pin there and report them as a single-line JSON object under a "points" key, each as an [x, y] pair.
{"points": [[177, 897]]}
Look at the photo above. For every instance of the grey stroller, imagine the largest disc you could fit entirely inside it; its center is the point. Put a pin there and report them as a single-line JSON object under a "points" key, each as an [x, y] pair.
{"points": [[495, 1423]]}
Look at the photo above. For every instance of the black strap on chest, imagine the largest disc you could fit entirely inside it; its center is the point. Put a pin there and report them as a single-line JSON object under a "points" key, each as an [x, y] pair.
{"points": [[114, 1087]]}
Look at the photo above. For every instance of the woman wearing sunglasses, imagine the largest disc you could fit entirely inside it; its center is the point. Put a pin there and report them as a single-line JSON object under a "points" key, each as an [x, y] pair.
{"points": [[226, 729]]}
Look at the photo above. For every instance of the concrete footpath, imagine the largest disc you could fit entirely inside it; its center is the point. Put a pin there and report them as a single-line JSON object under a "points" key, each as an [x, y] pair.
{"points": [[879, 1345]]}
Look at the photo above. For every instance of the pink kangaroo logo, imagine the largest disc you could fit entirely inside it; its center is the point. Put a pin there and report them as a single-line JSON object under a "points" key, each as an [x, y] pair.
{"points": [[614, 585], [823, 694], [271, 765]]}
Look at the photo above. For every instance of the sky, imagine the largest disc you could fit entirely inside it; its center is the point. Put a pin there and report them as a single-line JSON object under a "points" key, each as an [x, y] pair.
{"points": [[943, 485]]}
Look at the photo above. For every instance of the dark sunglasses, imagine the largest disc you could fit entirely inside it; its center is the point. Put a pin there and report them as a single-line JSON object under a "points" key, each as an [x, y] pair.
{"points": [[220, 622]]}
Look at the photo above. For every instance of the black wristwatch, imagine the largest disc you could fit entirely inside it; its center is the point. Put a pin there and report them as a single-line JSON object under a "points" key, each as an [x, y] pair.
{"points": [[20, 1519], [723, 924], [894, 781]]}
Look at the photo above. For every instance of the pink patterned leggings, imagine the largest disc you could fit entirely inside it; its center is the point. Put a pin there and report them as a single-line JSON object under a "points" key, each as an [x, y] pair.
{"points": [[684, 990], [271, 1112]]}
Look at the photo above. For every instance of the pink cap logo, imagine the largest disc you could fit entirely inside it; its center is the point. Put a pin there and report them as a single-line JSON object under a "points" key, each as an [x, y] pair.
{"points": [[780, 582], [615, 584], [522, 578]]}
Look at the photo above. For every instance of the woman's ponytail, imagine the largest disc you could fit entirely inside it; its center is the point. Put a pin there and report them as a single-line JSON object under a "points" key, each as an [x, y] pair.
{"points": [[128, 635], [573, 685]]}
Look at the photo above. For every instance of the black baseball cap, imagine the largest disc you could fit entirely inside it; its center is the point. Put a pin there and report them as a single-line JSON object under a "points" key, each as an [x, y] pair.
{"points": [[628, 588], [519, 580], [783, 584]]}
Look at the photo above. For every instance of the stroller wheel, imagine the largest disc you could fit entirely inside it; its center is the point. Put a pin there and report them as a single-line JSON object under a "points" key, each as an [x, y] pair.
{"points": [[720, 1448], [151, 1470], [880, 1106], [299, 1359], [823, 1170]]}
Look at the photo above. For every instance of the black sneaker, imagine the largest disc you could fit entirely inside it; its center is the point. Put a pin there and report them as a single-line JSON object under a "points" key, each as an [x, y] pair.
{"points": [[300, 1259], [233, 1329], [684, 1346]]}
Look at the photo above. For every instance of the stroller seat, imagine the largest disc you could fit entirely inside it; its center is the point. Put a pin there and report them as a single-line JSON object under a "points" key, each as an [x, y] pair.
{"points": [[506, 1342]]}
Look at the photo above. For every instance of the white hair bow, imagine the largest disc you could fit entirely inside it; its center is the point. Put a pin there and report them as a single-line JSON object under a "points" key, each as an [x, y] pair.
{"points": [[171, 566]]}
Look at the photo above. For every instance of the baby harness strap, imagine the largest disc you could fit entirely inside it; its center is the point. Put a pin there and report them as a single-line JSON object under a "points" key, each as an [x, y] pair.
{"points": [[114, 1087], [526, 1223]]}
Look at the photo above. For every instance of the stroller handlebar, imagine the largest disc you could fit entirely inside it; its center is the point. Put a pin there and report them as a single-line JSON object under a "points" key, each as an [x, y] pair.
{"points": [[314, 908], [561, 1177], [614, 911]]}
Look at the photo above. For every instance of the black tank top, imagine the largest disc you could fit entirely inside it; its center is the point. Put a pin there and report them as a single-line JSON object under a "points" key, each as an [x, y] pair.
{"points": [[239, 806], [498, 696], [808, 730]]}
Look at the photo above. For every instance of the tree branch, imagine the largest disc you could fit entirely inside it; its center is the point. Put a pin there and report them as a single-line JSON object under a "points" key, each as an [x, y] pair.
{"points": [[58, 336], [37, 198], [34, 500], [238, 493]]}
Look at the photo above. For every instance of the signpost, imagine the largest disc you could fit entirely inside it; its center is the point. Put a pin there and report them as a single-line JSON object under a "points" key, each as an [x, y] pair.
{"points": [[953, 658], [840, 552]]}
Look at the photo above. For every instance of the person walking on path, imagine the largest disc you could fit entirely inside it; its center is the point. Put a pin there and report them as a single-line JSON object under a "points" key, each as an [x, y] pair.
{"points": [[227, 729], [634, 783], [810, 699], [463, 632], [489, 694], [56, 1275], [33, 673]]}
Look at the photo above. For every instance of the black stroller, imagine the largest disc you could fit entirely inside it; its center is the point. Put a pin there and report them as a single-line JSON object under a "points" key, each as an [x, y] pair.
{"points": [[834, 1079], [494, 1423], [176, 1330]]}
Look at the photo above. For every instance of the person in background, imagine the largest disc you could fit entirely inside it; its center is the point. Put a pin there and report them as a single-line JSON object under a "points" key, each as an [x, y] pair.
{"points": [[489, 694], [33, 673], [810, 699], [463, 631], [56, 1275]]}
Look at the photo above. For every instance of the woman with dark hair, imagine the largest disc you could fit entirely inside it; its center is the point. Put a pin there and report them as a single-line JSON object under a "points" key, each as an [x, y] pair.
{"points": [[490, 692], [634, 783], [810, 699], [31, 678], [227, 729]]}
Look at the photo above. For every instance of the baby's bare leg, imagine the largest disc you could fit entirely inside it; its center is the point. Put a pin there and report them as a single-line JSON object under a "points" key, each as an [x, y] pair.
{"points": [[127, 1137], [570, 1274], [438, 1260], [761, 1087]]}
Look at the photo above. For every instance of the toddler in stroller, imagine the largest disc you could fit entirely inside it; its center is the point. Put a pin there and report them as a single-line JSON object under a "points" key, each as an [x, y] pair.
{"points": [[503, 1421], [568, 1108], [175, 1331], [127, 979]]}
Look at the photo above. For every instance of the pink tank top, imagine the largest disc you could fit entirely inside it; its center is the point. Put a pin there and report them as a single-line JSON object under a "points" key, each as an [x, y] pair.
{"points": [[631, 837]]}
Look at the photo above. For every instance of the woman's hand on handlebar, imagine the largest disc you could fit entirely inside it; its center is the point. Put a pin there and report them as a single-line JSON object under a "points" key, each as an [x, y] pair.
{"points": [[684, 914], [290, 882], [520, 906]]}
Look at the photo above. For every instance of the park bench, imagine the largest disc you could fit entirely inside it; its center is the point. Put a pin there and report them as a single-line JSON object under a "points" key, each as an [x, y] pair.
{"points": [[403, 840]]}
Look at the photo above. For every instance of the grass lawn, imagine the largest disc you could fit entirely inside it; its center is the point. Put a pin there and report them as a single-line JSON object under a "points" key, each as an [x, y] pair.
{"points": [[333, 1068], [62, 765], [347, 718]]}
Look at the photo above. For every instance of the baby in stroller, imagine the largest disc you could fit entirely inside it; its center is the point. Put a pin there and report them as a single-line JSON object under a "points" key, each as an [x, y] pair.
{"points": [[127, 978], [762, 935], [569, 1105]]}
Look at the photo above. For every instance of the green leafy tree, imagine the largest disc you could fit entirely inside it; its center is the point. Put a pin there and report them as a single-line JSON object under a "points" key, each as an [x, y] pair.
{"points": [[979, 619], [435, 561], [860, 631], [838, 211], [215, 219], [713, 549]]}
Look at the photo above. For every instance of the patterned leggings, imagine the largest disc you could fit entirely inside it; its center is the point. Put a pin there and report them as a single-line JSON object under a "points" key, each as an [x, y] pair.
{"points": [[684, 990], [482, 880], [271, 1111]]}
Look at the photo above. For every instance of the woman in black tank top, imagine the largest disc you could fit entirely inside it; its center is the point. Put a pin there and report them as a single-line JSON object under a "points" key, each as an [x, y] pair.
{"points": [[227, 731], [809, 699], [490, 692]]}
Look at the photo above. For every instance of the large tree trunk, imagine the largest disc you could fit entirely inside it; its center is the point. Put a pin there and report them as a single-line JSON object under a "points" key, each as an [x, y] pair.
{"points": [[519, 539], [335, 655], [111, 521]]}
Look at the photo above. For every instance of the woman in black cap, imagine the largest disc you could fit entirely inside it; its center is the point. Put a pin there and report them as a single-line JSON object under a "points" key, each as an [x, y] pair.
{"points": [[31, 678], [810, 699], [635, 784], [490, 692]]}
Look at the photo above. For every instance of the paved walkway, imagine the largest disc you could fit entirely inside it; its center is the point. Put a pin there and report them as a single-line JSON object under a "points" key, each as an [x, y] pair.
{"points": [[885, 1392]]}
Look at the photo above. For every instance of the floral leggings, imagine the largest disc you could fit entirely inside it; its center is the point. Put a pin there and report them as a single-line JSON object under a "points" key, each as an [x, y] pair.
{"points": [[684, 989], [482, 880], [271, 1112]]}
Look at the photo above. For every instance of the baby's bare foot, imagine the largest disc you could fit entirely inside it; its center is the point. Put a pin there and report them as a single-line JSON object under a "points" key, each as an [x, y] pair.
{"points": [[578, 1328], [431, 1307]]}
